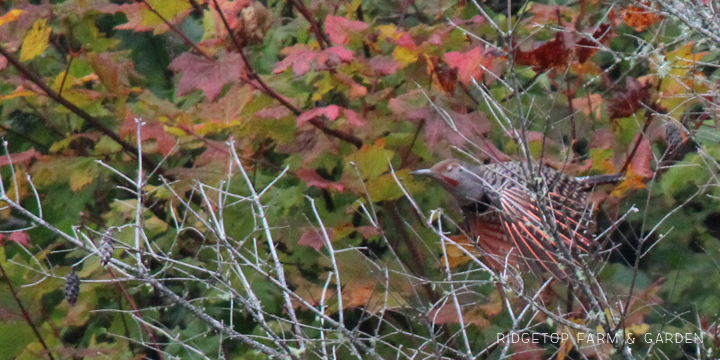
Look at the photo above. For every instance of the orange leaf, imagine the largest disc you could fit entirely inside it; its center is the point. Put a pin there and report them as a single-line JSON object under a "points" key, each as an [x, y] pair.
{"points": [[640, 17], [470, 65], [11, 16]]}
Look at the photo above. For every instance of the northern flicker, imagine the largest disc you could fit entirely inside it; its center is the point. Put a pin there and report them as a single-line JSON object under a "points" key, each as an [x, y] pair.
{"points": [[506, 206]]}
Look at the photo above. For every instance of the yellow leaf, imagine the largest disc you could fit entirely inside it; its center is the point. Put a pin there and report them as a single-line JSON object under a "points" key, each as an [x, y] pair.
{"points": [[175, 131], [405, 56], [387, 31], [632, 180], [371, 161], [638, 329], [168, 9], [10, 16], [78, 179], [36, 40]]}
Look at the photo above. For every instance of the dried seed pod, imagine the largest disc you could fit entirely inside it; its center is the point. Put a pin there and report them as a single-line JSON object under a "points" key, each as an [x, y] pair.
{"points": [[107, 245], [72, 287]]}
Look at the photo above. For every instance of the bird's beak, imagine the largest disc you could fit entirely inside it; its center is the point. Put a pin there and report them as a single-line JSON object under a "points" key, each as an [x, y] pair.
{"points": [[423, 172]]}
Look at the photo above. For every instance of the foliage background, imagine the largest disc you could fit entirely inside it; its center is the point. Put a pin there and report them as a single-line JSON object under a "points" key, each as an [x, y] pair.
{"points": [[262, 203]]}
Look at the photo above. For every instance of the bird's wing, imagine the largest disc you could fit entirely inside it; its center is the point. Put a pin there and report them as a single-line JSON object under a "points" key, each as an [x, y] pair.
{"points": [[526, 224], [487, 230]]}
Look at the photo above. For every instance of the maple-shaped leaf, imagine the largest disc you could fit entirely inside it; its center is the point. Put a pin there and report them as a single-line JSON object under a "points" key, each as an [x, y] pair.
{"points": [[470, 65], [371, 161], [331, 113], [304, 58], [632, 99], [340, 29], [207, 75], [312, 178], [463, 128], [545, 55]]}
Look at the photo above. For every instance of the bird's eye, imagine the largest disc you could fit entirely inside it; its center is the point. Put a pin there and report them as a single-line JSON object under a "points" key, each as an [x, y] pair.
{"points": [[449, 168]]}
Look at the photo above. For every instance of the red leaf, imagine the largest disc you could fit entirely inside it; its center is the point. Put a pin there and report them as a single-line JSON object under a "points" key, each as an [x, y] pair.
{"points": [[302, 58], [642, 158], [331, 113], [313, 179], [157, 131], [586, 48], [20, 158], [471, 64], [367, 231], [336, 53], [19, 237], [216, 152], [338, 28], [149, 131], [314, 238], [626, 103], [406, 41], [205, 74], [231, 10], [545, 55], [469, 126], [277, 112]]}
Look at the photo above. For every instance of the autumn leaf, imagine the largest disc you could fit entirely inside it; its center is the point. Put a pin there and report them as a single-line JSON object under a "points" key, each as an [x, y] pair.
{"points": [[311, 177], [24, 157], [36, 40], [11, 16], [315, 238], [331, 113], [371, 161], [143, 16], [199, 73], [640, 17], [19, 237], [586, 48], [304, 58], [627, 102], [341, 30], [470, 65], [545, 55]]}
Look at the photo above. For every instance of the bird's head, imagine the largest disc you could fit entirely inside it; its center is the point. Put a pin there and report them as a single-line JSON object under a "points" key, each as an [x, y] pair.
{"points": [[449, 173], [460, 180]]}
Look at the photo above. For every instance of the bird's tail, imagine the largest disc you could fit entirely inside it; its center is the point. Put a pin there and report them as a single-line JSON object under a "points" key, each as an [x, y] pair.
{"points": [[595, 180]]}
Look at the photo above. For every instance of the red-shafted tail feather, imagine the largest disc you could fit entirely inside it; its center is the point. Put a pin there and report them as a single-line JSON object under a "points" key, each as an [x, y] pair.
{"points": [[525, 224], [487, 229]]}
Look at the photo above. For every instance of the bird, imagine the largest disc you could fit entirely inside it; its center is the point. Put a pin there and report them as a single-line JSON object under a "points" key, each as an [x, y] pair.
{"points": [[539, 211]]}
